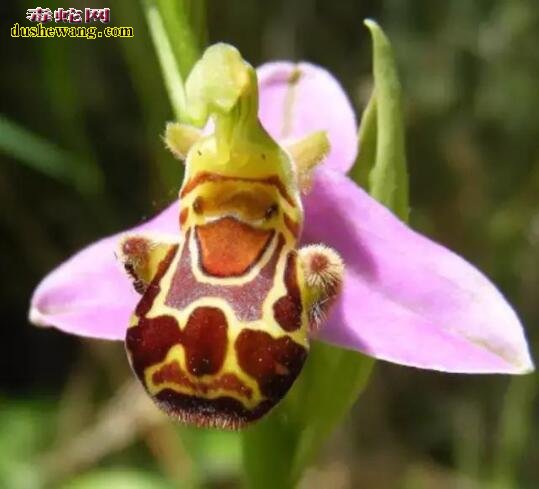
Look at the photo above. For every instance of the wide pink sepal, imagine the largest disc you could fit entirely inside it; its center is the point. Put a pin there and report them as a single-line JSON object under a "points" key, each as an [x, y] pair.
{"points": [[405, 298], [297, 99], [90, 294]]}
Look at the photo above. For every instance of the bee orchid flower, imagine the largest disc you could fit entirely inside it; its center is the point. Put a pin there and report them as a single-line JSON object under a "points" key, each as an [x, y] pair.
{"points": [[401, 297]]}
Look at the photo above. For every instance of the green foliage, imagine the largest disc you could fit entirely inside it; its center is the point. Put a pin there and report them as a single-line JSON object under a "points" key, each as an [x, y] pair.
{"points": [[47, 158], [388, 179], [119, 479], [26, 429], [366, 157], [185, 25], [516, 416], [216, 455], [167, 59]]}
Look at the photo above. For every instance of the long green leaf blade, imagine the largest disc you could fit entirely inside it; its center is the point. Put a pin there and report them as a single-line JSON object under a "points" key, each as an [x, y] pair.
{"points": [[366, 157], [169, 64], [388, 180], [41, 155]]}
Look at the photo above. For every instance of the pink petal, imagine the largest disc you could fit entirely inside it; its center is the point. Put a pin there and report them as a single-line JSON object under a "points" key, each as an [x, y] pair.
{"points": [[290, 110], [90, 294], [407, 299]]}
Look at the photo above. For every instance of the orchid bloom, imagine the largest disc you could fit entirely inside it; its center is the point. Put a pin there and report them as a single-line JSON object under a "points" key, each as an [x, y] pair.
{"points": [[404, 298]]}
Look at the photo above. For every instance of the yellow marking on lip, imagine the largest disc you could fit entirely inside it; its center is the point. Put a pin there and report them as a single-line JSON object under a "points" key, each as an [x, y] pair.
{"points": [[177, 354], [267, 323], [214, 200]]}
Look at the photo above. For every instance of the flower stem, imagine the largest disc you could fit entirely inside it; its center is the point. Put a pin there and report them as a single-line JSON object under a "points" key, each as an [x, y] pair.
{"points": [[268, 452], [514, 431], [277, 449]]}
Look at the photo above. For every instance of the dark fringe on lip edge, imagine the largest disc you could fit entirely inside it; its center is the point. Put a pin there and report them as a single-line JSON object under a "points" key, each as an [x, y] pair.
{"points": [[224, 413]]}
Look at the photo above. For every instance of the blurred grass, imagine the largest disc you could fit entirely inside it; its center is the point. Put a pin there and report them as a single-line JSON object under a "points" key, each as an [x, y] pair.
{"points": [[469, 75], [49, 159]]}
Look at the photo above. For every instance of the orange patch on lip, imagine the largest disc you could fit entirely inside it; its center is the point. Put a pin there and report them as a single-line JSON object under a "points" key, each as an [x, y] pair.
{"points": [[229, 248]]}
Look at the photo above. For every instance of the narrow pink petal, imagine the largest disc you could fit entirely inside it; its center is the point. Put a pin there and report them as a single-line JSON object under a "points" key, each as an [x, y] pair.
{"points": [[90, 294], [407, 299], [298, 99]]}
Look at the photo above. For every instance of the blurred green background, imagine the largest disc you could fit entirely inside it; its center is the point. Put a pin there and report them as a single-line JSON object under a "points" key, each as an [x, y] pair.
{"points": [[81, 156]]}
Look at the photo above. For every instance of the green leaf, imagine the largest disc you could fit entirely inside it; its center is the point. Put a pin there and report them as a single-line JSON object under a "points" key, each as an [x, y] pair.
{"points": [[334, 379], [60, 65], [179, 17], [366, 157], [268, 451], [169, 65], [515, 431], [153, 99], [47, 158], [27, 429], [388, 179], [177, 28], [216, 455]]}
